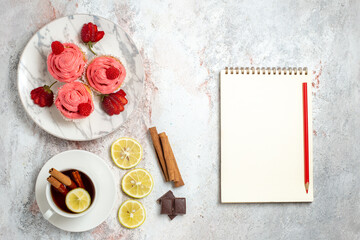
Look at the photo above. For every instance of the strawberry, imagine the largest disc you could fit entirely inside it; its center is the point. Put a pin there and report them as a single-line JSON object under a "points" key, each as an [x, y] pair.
{"points": [[57, 47], [121, 93], [114, 103], [122, 99], [85, 109], [90, 35], [43, 96], [112, 73]]}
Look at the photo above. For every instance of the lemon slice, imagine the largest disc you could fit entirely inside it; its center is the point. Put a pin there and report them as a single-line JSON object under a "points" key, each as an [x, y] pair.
{"points": [[78, 200], [137, 183], [131, 214], [126, 152]]}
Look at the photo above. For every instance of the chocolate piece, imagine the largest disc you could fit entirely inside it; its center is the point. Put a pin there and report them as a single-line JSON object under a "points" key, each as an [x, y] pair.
{"points": [[169, 194], [167, 206], [171, 205], [179, 206]]}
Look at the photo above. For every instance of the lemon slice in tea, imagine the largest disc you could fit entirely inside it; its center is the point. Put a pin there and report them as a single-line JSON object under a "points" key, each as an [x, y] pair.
{"points": [[78, 200], [126, 152], [137, 183]]}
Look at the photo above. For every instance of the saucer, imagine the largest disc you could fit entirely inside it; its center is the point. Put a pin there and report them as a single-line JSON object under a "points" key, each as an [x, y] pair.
{"points": [[105, 193]]}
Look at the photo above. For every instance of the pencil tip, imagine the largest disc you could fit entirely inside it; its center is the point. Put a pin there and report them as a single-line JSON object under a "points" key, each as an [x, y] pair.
{"points": [[307, 187]]}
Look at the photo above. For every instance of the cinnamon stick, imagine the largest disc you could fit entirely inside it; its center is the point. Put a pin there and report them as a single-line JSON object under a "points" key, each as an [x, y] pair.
{"points": [[159, 152], [62, 178], [77, 177], [180, 181], [57, 185], [170, 165]]}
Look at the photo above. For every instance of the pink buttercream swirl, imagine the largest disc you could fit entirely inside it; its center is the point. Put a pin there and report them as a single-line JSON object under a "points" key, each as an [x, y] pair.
{"points": [[68, 65], [96, 74], [70, 96]]}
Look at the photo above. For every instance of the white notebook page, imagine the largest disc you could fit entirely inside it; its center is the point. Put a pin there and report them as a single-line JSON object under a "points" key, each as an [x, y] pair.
{"points": [[262, 143]]}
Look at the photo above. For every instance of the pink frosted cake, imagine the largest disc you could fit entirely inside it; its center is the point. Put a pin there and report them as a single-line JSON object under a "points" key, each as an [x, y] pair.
{"points": [[68, 65], [74, 101], [105, 74]]}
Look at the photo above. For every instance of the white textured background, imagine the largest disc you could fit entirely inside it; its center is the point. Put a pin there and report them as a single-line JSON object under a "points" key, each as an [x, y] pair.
{"points": [[184, 45]]}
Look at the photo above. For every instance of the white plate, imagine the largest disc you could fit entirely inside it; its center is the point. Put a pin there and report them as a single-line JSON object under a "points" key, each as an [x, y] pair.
{"points": [[79, 159], [32, 73]]}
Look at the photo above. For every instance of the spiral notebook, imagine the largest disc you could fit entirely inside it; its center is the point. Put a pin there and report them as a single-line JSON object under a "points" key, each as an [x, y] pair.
{"points": [[262, 135]]}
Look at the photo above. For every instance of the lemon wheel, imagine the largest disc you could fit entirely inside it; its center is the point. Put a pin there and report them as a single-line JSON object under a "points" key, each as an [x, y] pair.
{"points": [[131, 214], [137, 183], [126, 153], [78, 200]]}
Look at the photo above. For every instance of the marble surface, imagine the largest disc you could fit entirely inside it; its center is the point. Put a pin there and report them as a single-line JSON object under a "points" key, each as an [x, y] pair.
{"points": [[184, 45]]}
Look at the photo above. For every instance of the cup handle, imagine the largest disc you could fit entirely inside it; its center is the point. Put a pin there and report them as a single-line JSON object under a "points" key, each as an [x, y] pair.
{"points": [[48, 214]]}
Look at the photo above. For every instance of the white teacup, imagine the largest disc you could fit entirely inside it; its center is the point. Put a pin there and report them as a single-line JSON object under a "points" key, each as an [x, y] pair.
{"points": [[55, 209]]}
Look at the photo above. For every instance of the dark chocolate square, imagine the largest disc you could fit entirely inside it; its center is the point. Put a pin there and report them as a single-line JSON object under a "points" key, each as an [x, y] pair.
{"points": [[169, 194], [179, 206], [167, 206]]}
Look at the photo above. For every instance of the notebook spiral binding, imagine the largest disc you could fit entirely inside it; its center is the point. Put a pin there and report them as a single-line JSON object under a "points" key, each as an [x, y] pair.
{"points": [[268, 71]]}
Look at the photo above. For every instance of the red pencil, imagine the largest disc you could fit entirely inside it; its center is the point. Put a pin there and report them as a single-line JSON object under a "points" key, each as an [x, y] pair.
{"points": [[306, 137]]}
